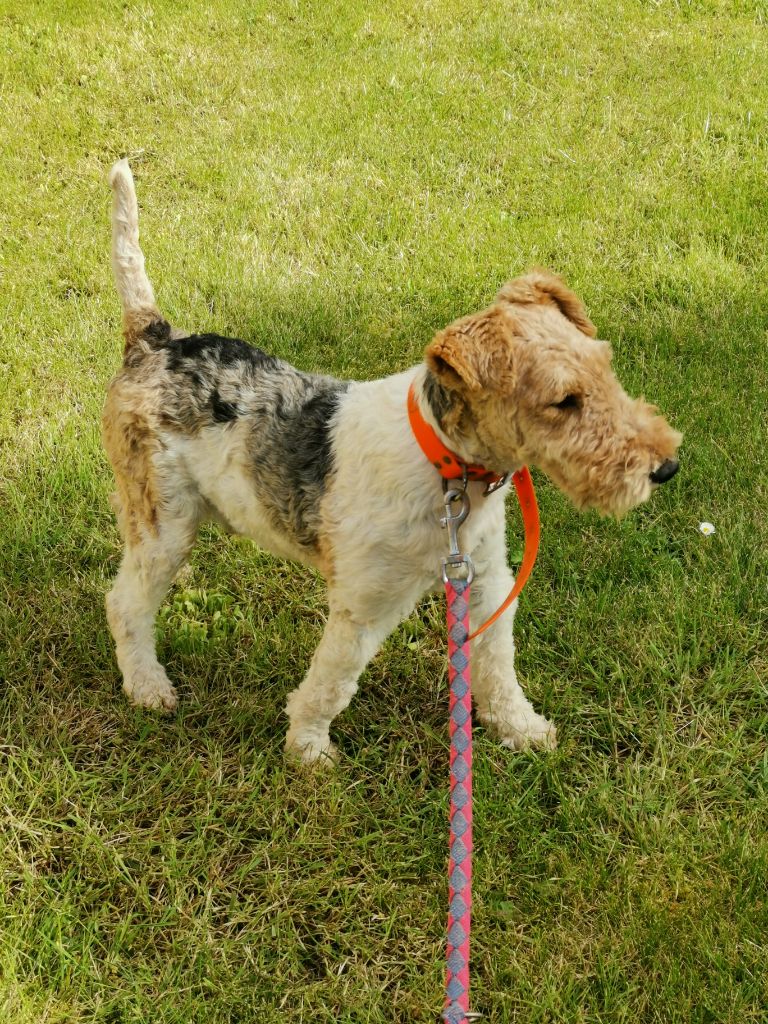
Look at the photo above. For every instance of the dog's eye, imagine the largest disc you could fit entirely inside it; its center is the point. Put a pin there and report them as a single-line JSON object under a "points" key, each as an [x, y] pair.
{"points": [[569, 402]]}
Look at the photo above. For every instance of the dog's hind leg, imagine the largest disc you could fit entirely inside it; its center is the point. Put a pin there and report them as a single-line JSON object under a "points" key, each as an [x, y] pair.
{"points": [[147, 570]]}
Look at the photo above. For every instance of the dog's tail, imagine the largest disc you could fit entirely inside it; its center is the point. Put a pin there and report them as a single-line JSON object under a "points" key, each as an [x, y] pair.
{"points": [[142, 320]]}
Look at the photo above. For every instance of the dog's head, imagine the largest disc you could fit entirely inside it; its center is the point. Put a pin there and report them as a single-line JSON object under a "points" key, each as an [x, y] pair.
{"points": [[526, 381]]}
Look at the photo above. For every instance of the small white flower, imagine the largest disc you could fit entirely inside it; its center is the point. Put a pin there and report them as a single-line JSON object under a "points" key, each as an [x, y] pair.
{"points": [[706, 529]]}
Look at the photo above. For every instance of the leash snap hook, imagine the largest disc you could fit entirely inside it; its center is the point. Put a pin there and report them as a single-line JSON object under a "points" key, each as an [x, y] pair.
{"points": [[456, 491]]}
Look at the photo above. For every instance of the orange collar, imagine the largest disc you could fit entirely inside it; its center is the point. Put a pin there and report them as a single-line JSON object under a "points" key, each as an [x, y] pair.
{"points": [[448, 464], [450, 467]]}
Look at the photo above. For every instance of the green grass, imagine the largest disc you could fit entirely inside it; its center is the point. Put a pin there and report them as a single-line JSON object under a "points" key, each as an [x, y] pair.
{"points": [[335, 183]]}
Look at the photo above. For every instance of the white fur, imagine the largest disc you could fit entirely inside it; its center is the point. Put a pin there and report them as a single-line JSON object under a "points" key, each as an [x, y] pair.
{"points": [[132, 282], [216, 463]]}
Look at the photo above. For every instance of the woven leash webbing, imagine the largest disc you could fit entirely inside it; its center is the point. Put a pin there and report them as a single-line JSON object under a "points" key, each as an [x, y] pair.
{"points": [[460, 860]]}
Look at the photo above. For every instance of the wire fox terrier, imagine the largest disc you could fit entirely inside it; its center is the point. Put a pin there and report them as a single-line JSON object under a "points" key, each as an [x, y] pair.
{"points": [[328, 472]]}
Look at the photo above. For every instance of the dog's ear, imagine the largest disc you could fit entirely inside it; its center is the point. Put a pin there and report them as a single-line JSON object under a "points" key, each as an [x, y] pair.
{"points": [[542, 286], [475, 353]]}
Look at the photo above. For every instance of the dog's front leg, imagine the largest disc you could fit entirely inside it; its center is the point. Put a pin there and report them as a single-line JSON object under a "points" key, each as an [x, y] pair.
{"points": [[345, 649], [500, 702]]}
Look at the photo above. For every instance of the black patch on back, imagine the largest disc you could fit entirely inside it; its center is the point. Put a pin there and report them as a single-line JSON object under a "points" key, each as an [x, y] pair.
{"points": [[158, 333], [223, 412], [286, 414], [202, 368], [214, 348]]}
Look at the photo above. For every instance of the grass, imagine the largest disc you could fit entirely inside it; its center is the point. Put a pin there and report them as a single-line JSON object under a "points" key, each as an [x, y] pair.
{"points": [[335, 183]]}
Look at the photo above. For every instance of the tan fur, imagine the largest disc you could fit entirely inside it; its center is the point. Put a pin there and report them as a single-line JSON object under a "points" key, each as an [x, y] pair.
{"points": [[541, 286], [130, 434], [135, 324], [476, 352]]}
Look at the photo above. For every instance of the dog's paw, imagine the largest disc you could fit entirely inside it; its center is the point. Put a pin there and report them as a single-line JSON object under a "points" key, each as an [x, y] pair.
{"points": [[530, 730], [152, 689], [313, 750]]}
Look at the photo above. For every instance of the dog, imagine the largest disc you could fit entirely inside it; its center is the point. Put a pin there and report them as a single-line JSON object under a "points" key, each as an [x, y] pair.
{"points": [[328, 472]]}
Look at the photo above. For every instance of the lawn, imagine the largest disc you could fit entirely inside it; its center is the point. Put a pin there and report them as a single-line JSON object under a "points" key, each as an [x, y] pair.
{"points": [[334, 182]]}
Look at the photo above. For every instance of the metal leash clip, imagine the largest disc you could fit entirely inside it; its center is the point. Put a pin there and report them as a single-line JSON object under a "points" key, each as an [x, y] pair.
{"points": [[456, 491]]}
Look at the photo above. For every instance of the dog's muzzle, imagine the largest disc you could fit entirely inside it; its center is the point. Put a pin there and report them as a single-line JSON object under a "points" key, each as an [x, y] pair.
{"points": [[665, 471]]}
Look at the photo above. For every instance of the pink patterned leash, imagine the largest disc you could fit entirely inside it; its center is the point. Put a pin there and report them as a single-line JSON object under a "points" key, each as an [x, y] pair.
{"points": [[456, 1009]]}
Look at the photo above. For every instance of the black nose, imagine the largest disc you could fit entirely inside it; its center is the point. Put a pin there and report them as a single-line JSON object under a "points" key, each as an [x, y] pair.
{"points": [[665, 471]]}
